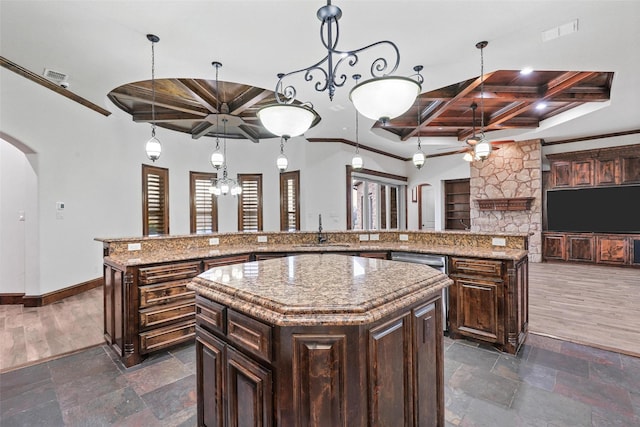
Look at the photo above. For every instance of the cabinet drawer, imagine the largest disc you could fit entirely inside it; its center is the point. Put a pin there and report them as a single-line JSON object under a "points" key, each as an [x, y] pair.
{"points": [[236, 259], [155, 316], [164, 293], [168, 272], [156, 339], [249, 334], [482, 267], [210, 315]]}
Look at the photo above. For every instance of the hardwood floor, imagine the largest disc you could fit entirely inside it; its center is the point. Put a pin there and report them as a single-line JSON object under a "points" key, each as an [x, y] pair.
{"points": [[586, 304], [30, 334]]}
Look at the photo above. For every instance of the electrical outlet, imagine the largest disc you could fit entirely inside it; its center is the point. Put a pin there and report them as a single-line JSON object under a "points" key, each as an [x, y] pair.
{"points": [[374, 237], [214, 241], [134, 246], [364, 237], [499, 241], [262, 239], [404, 237]]}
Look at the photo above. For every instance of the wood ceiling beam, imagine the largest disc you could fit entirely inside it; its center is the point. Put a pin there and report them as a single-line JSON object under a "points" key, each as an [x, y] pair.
{"points": [[253, 96], [165, 116], [161, 101], [248, 134], [202, 129], [201, 93]]}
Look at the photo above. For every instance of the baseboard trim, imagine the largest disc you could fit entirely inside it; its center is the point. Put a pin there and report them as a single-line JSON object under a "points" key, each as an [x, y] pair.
{"points": [[51, 297]]}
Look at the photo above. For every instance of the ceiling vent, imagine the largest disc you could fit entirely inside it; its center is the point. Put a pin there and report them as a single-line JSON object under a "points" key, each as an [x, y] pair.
{"points": [[55, 76]]}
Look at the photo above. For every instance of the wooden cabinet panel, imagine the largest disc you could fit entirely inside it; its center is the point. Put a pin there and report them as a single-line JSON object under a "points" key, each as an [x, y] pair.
{"points": [[427, 324], [479, 309], [607, 172], [209, 371], [249, 334], [554, 246], [266, 256], [168, 272], [158, 338], [164, 293], [319, 379], [164, 314], [249, 391], [561, 174], [581, 248], [390, 390], [476, 266], [612, 250], [211, 315], [630, 170], [583, 174], [377, 255], [226, 260]]}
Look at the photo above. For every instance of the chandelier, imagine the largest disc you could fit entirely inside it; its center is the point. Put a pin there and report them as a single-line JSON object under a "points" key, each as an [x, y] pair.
{"points": [[153, 146], [382, 97], [483, 148], [225, 185]]}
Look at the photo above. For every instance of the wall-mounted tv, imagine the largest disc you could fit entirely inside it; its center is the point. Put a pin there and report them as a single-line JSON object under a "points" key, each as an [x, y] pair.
{"points": [[597, 210]]}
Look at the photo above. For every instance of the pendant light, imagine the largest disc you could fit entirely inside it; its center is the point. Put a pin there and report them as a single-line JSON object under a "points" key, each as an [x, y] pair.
{"points": [[225, 185], [357, 162], [473, 139], [282, 162], [483, 148], [153, 146], [217, 158], [418, 157]]}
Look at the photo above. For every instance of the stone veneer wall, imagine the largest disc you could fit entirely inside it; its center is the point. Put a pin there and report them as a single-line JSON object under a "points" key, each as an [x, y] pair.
{"points": [[514, 170]]}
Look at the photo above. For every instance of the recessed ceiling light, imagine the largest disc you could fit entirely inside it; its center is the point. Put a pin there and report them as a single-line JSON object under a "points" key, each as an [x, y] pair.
{"points": [[526, 70], [541, 105]]}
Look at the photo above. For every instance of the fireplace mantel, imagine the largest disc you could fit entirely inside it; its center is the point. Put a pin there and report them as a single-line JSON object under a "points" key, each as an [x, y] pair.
{"points": [[505, 204]]}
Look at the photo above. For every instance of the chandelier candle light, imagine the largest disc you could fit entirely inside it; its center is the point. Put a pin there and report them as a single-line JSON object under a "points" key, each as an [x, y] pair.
{"points": [[382, 97], [153, 146], [225, 185]]}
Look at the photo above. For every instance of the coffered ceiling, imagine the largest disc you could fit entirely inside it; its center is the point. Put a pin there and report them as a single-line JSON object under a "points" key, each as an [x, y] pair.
{"points": [[589, 78]]}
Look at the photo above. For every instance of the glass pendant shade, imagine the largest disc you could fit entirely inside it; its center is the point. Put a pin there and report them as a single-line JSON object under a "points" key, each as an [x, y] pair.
{"points": [[482, 149], [384, 98], [282, 162], [419, 159], [236, 190], [153, 149], [217, 159], [224, 188], [215, 190], [357, 162], [287, 120], [468, 157]]}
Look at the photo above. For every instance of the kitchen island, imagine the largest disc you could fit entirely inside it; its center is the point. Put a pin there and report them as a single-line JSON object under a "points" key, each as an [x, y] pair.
{"points": [[320, 340]]}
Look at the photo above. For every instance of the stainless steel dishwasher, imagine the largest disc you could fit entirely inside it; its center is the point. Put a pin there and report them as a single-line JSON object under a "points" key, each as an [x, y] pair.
{"points": [[439, 262]]}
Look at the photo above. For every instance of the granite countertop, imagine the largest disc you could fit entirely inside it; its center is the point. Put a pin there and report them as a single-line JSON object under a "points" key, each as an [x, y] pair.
{"points": [[129, 260], [319, 289]]}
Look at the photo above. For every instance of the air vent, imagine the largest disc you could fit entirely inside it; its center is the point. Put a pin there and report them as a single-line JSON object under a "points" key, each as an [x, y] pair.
{"points": [[55, 76]]}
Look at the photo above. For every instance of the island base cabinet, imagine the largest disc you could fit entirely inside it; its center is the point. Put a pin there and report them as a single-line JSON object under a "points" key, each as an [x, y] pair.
{"points": [[387, 373]]}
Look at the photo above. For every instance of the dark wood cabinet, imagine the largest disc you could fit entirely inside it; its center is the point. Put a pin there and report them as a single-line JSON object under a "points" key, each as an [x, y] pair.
{"points": [[553, 247], [582, 173], [389, 372], [610, 249], [607, 172], [488, 301], [580, 248], [457, 194], [561, 173]]}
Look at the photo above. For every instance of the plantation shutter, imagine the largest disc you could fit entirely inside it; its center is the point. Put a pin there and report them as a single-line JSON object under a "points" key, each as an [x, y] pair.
{"points": [[250, 202], [155, 200], [204, 206], [289, 201]]}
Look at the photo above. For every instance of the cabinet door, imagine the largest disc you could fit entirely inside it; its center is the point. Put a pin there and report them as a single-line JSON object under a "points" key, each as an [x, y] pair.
{"points": [[582, 171], [249, 392], [553, 247], [612, 250], [428, 365], [479, 307], [581, 248], [210, 362], [561, 174], [390, 387], [607, 172], [630, 170]]}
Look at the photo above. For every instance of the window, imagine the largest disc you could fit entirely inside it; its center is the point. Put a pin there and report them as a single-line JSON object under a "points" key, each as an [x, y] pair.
{"points": [[375, 200], [289, 201], [250, 202], [204, 205], [155, 200]]}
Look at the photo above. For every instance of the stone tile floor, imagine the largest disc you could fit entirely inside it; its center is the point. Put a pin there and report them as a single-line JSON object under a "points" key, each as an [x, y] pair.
{"points": [[549, 383]]}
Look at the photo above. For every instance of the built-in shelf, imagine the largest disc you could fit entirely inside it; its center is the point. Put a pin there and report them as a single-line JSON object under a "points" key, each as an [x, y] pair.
{"points": [[505, 204]]}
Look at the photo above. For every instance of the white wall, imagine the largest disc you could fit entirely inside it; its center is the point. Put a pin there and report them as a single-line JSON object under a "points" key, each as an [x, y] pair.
{"points": [[93, 164]]}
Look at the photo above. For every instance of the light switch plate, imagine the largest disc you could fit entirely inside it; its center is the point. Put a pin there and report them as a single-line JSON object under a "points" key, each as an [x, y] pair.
{"points": [[262, 239], [499, 241]]}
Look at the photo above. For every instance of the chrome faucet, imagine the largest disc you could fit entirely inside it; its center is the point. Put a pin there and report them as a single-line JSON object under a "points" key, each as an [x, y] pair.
{"points": [[321, 237]]}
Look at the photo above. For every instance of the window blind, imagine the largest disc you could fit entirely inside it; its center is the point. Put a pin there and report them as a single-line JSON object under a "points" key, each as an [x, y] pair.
{"points": [[155, 210]]}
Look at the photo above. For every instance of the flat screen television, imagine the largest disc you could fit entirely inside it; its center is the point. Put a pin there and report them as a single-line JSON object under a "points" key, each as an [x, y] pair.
{"points": [[597, 210]]}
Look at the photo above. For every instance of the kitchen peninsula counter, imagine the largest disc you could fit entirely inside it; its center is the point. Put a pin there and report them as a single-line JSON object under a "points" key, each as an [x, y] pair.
{"points": [[148, 306], [320, 339]]}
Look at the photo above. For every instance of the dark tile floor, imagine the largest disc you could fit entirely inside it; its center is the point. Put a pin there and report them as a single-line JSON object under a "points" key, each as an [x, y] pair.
{"points": [[549, 383]]}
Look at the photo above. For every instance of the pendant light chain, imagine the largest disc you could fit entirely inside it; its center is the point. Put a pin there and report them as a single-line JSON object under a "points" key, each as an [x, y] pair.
{"points": [[217, 65], [482, 87], [357, 139], [153, 89]]}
